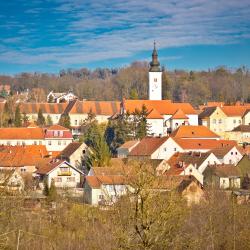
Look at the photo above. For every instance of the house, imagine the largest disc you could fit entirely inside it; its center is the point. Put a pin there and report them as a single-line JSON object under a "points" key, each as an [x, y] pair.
{"points": [[23, 159], [244, 166], [125, 149], [78, 112], [186, 186], [222, 176], [11, 180], [60, 97], [190, 163], [228, 155], [55, 137], [74, 154], [61, 172], [52, 110], [241, 134], [225, 118], [104, 189], [194, 132], [163, 115], [160, 148]]}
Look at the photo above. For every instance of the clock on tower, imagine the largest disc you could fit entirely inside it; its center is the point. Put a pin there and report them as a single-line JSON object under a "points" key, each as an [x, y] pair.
{"points": [[155, 77]]}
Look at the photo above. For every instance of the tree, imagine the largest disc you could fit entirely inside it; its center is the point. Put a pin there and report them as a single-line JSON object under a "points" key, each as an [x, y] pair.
{"points": [[50, 192], [40, 118], [49, 121], [18, 118], [94, 138], [25, 119], [65, 121], [133, 94]]}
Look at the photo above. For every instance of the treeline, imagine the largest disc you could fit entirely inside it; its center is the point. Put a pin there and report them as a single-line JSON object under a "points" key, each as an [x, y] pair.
{"points": [[197, 87]]}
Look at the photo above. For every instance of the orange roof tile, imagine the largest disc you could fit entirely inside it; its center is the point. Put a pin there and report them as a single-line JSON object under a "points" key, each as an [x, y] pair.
{"points": [[97, 180], [147, 146], [164, 107], [57, 127], [235, 110], [188, 131], [21, 133], [203, 144], [18, 156], [97, 107], [179, 114], [154, 114]]}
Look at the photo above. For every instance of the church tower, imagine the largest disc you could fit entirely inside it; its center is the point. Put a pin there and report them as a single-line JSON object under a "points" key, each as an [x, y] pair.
{"points": [[155, 77]]}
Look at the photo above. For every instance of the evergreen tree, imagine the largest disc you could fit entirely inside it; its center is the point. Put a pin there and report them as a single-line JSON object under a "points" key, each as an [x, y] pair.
{"points": [[40, 118], [134, 94], [25, 119], [49, 121], [65, 121], [51, 99], [18, 118], [52, 192], [94, 138]]}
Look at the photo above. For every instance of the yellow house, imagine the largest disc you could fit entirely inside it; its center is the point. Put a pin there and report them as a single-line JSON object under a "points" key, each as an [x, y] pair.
{"points": [[215, 119]]}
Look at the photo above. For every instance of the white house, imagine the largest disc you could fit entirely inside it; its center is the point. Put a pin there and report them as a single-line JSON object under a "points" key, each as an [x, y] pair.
{"points": [[125, 149], [61, 172], [60, 97], [228, 155], [104, 189]]}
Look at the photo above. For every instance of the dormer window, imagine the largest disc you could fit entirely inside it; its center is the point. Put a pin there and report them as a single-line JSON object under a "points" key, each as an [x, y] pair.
{"points": [[56, 133]]}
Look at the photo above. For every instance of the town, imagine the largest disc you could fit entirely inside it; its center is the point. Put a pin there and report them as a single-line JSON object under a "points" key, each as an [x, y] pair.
{"points": [[99, 153]]}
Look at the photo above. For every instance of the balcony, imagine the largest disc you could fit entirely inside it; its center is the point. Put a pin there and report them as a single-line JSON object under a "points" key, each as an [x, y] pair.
{"points": [[64, 173]]}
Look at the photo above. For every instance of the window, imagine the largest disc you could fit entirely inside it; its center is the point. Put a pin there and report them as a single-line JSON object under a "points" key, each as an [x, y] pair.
{"points": [[234, 121], [75, 122], [220, 121], [232, 153], [23, 143], [17, 143], [35, 142], [61, 133], [101, 197], [165, 149], [155, 79], [84, 151], [23, 170], [49, 142], [8, 143], [58, 179], [40, 142], [174, 149], [239, 121], [70, 179], [59, 142], [56, 133], [236, 153]]}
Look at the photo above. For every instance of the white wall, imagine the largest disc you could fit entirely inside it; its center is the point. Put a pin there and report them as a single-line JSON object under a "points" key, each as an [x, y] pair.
{"points": [[57, 144], [211, 160], [193, 119], [155, 126], [166, 150], [232, 157], [155, 93]]}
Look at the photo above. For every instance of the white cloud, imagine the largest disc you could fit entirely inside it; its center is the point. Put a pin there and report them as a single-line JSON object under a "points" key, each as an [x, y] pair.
{"points": [[101, 30]]}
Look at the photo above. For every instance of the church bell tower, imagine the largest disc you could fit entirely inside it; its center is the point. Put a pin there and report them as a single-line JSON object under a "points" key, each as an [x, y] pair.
{"points": [[155, 77]]}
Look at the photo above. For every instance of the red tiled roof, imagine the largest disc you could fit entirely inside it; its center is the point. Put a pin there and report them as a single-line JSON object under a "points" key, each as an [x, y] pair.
{"points": [[21, 133], [18, 156], [164, 107], [235, 110], [147, 146], [179, 114], [129, 144], [47, 165], [97, 180], [203, 144], [193, 132], [97, 107], [154, 114], [57, 127]]}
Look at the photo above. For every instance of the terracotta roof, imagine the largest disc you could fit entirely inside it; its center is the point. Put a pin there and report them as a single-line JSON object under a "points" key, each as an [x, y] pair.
{"points": [[235, 110], [47, 165], [194, 158], [154, 114], [97, 107], [147, 146], [203, 144], [164, 107], [226, 170], [242, 128], [179, 114], [18, 156], [98, 180], [70, 149], [193, 132], [47, 108], [221, 152], [129, 144], [21, 133], [57, 127]]}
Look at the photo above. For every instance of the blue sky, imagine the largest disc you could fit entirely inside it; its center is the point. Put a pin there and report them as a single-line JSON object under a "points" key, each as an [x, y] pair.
{"points": [[49, 35]]}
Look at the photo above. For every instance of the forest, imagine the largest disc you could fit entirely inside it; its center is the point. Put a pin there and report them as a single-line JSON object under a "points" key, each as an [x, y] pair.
{"points": [[196, 87]]}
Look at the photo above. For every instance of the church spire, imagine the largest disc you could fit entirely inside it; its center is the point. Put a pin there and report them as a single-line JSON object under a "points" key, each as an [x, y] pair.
{"points": [[154, 64]]}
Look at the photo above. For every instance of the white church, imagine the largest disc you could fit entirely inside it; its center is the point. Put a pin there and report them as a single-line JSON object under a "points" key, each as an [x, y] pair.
{"points": [[164, 115]]}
